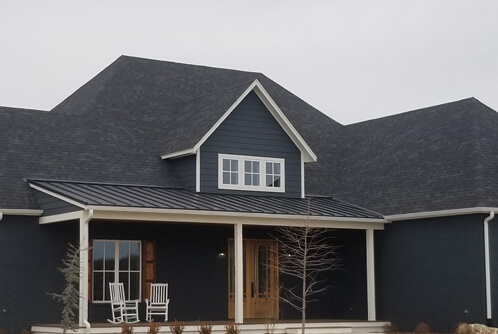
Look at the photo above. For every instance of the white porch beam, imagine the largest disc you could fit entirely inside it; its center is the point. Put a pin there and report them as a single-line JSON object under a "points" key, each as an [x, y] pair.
{"points": [[239, 274], [83, 286], [370, 274]]}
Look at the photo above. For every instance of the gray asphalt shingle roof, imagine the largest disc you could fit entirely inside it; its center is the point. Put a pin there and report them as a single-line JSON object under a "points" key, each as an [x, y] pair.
{"points": [[437, 158], [115, 128]]}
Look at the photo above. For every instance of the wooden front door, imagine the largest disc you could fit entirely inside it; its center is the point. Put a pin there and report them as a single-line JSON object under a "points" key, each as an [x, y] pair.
{"points": [[261, 292]]}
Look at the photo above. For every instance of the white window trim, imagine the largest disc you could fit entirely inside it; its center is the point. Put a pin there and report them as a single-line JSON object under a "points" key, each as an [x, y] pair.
{"points": [[241, 185], [116, 269]]}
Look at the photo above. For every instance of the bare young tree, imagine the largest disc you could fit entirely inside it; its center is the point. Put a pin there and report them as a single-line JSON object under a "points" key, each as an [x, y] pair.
{"points": [[304, 252]]}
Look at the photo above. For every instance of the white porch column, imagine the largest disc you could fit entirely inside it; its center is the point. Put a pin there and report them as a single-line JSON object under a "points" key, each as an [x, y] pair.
{"points": [[83, 286], [370, 275], [239, 274]]}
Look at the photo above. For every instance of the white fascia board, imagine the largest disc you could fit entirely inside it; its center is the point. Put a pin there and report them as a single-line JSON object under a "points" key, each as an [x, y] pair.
{"points": [[178, 154], [60, 218], [21, 212], [215, 217], [62, 198], [274, 110], [440, 213], [284, 122]]}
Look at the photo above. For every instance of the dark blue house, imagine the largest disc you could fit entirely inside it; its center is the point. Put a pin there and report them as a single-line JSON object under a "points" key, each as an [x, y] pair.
{"points": [[166, 172]]}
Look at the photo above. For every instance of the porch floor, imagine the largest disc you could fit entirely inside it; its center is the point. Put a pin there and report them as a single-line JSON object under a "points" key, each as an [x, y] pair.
{"points": [[250, 326]]}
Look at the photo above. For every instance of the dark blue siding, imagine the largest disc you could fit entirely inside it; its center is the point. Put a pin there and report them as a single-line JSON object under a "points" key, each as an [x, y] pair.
{"points": [[52, 205], [185, 169], [432, 271], [29, 257], [251, 130], [187, 259], [493, 245]]}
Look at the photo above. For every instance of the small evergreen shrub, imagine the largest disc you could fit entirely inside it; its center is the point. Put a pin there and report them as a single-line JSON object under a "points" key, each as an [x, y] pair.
{"points": [[177, 327], [70, 297]]}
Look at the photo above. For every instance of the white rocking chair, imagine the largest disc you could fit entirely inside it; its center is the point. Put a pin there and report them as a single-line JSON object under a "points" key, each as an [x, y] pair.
{"points": [[122, 310], [158, 303]]}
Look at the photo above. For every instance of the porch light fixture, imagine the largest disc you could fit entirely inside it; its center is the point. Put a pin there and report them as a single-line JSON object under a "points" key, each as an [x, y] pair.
{"points": [[222, 255]]}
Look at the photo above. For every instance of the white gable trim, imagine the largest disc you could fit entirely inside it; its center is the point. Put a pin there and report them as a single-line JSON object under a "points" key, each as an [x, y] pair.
{"points": [[179, 154], [272, 107], [63, 198]]}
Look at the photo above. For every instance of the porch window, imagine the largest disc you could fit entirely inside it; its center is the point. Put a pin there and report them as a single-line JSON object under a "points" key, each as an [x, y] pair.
{"points": [[251, 173], [116, 261]]}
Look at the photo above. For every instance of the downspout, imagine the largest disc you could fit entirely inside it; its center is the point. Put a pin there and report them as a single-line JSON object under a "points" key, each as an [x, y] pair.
{"points": [[487, 269], [1, 215], [88, 327]]}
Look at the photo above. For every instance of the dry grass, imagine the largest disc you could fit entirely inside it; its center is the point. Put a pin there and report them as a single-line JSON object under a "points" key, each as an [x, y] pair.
{"points": [[232, 328], [127, 328], [463, 328], [153, 328], [205, 328], [177, 327]]}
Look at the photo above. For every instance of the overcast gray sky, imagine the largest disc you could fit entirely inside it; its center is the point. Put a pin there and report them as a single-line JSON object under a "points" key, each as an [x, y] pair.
{"points": [[353, 60]]}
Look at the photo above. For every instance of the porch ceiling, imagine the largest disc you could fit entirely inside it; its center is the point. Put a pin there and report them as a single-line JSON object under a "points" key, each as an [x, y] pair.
{"points": [[137, 198]]}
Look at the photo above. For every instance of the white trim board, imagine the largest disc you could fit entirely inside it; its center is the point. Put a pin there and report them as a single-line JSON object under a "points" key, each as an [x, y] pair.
{"points": [[21, 212], [272, 107]]}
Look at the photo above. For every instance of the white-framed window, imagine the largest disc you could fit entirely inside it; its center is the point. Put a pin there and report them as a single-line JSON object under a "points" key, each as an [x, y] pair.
{"points": [[116, 261], [242, 172]]}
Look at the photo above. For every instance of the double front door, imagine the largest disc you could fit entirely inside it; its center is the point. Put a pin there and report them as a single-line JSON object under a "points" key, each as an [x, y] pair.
{"points": [[260, 287]]}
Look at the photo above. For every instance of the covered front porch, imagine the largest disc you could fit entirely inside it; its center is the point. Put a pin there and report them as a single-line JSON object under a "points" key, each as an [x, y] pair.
{"points": [[192, 234]]}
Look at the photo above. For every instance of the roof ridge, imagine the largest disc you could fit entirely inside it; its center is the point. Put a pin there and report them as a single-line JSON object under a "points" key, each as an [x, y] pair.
{"points": [[128, 57], [404, 113], [210, 94], [476, 108]]}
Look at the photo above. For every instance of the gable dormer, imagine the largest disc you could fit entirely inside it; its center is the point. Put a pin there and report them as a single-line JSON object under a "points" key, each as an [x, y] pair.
{"points": [[251, 148]]}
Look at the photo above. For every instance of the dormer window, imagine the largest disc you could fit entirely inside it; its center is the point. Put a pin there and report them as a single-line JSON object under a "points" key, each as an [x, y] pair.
{"points": [[251, 173]]}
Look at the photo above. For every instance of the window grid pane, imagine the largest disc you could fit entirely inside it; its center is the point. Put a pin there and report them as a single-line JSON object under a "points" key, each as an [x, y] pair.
{"points": [[251, 173], [230, 171], [273, 174], [122, 264]]}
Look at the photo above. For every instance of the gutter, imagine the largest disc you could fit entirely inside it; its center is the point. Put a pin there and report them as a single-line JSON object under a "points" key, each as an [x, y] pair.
{"points": [[487, 269], [440, 213]]}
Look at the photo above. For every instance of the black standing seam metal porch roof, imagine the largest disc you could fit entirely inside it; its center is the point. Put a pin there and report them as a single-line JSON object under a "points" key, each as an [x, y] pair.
{"points": [[133, 196]]}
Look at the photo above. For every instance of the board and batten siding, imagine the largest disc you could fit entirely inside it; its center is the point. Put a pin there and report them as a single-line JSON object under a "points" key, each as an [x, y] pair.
{"points": [[251, 130]]}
